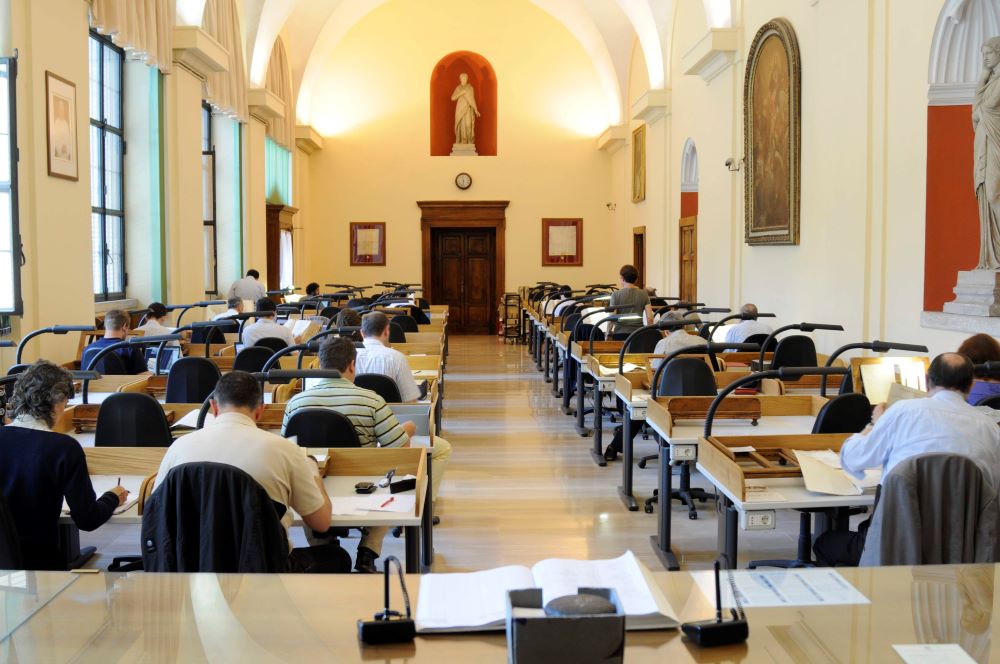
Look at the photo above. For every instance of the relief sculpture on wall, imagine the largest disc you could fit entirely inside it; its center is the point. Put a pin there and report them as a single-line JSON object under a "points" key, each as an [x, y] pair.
{"points": [[772, 122]]}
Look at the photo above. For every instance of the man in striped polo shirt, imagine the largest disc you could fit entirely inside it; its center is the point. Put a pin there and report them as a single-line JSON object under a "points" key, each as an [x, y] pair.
{"points": [[372, 419]]}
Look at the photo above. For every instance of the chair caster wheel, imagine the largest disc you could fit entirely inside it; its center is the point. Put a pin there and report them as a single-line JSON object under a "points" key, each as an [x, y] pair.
{"points": [[648, 509], [642, 464], [753, 423], [693, 515]]}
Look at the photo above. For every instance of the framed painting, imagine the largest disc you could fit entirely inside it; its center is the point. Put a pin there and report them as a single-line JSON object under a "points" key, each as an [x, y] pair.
{"points": [[772, 127], [639, 164], [60, 113], [562, 242], [368, 243]]}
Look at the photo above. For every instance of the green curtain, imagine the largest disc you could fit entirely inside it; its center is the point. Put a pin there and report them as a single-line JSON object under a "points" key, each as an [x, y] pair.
{"points": [[277, 173]]}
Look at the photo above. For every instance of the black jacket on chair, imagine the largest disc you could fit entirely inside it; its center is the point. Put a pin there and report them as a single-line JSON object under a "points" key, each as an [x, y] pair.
{"points": [[212, 517]]}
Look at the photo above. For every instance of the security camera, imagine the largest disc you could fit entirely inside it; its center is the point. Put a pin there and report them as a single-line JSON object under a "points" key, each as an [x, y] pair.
{"points": [[729, 163], [611, 206]]}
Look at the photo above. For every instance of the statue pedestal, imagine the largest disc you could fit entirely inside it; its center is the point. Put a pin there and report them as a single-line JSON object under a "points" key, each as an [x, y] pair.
{"points": [[464, 150], [977, 294]]}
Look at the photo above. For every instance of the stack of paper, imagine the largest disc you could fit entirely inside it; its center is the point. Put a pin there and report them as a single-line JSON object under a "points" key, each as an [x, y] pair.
{"points": [[822, 473]]}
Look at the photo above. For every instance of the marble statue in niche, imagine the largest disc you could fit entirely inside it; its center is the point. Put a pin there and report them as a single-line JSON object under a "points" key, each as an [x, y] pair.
{"points": [[466, 113], [986, 122]]}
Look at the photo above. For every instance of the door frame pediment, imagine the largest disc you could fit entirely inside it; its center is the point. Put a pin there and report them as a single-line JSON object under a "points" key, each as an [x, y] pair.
{"points": [[462, 214]]}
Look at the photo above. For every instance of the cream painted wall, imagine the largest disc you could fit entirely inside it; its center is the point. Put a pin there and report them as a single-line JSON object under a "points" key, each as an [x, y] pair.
{"points": [[372, 106], [55, 213], [254, 201]]}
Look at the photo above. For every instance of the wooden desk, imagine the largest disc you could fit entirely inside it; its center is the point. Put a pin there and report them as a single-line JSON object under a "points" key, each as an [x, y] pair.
{"points": [[275, 617]]}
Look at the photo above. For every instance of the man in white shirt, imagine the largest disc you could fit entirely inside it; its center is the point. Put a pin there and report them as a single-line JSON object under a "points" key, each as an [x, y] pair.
{"points": [[248, 288], [281, 467], [737, 334], [941, 423], [235, 305], [677, 338], [377, 358], [266, 327]]}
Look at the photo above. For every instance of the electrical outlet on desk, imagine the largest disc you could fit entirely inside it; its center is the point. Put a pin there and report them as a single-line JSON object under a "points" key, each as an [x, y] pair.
{"points": [[759, 520], [683, 452]]}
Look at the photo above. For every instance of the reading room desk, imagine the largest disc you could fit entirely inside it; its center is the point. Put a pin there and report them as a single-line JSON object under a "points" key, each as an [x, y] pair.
{"points": [[62, 617]]}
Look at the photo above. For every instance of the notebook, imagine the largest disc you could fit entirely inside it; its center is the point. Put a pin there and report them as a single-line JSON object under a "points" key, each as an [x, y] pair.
{"points": [[477, 601]]}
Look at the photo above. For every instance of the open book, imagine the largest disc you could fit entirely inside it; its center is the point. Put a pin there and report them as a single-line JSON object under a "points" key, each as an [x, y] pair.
{"points": [[477, 601], [103, 483], [626, 368], [822, 473]]}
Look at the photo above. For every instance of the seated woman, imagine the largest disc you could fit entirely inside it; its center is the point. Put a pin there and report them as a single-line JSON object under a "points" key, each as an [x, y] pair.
{"points": [[41, 468], [350, 318], [981, 348]]}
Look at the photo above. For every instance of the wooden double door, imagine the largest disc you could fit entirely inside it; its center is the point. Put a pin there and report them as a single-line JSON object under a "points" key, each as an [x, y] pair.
{"points": [[464, 277]]}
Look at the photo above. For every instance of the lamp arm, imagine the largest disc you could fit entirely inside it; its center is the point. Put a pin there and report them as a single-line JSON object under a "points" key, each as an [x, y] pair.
{"points": [[729, 389], [772, 336], [25, 339]]}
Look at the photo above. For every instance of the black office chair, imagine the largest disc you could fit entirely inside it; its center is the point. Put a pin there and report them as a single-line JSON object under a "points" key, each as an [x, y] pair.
{"points": [[131, 419], [252, 359], [274, 343], [111, 364], [419, 315], [10, 544], [212, 517], [422, 303], [408, 323], [191, 380], [846, 413], [705, 331], [645, 341], [688, 377], [759, 339], [322, 427], [796, 350], [16, 369], [396, 334], [991, 401], [213, 335], [329, 313], [382, 385], [359, 303], [570, 322]]}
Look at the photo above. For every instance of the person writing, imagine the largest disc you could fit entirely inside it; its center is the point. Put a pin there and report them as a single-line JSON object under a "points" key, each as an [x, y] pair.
{"points": [[941, 423], [41, 468], [377, 358]]}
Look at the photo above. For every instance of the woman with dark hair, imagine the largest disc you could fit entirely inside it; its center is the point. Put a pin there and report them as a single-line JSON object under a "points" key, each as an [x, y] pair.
{"points": [[350, 318], [155, 319], [981, 348], [42, 467]]}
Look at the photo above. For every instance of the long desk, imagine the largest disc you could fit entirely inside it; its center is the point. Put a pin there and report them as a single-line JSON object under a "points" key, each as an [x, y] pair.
{"points": [[61, 617]]}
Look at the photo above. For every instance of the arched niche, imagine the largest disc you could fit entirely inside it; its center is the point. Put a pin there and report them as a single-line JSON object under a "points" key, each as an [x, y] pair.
{"points": [[444, 79], [689, 179]]}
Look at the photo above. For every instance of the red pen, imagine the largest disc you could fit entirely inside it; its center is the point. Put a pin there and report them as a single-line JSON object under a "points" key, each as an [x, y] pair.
{"points": [[392, 498]]}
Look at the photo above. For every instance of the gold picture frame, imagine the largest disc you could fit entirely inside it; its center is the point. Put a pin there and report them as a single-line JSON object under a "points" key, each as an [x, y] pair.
{"points": [[772, 124], [60, 128], [639, 164]]}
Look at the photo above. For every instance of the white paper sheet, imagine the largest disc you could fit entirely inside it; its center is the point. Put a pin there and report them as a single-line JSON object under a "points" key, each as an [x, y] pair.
{"points": [[190, 421], [562, 240], [475, 599], [933, 653], [770, 588], [557, 578], [104, 483], [368, 241], [763, 494]]}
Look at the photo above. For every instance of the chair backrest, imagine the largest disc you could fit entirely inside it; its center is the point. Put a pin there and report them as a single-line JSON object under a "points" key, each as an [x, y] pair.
{"points": [[408, 323], [934, 509], [358, 303], [687, 377], [759, 339], [993, 401], [796, 350], [273, 343], [10, 545], [212, 517], [214, 335], [571, 321], [252, 358], [645, 341], [396, 334], [131, 419], [111, 364], [16, 369], [582, 333], [705, 331], [422, 303], [329, 312], [846, 413], [191, 380], [322, 427], [382, 385]]}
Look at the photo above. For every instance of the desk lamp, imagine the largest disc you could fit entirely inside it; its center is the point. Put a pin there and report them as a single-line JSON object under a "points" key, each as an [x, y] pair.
{"points": [[184, 308], [805, 327], [740, 316], [160, 340], [273, 376]]}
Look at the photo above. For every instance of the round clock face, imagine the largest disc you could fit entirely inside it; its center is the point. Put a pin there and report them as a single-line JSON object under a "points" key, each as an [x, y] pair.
{"points": [[463, 180]]}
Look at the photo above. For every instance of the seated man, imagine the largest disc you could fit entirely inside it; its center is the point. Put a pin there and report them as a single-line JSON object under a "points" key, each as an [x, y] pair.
{"points": [[737, 334], [248, 288], [116, 324], [373, 420], [943, 422], [235, 305], [287, 475], [377, 358], [42, 467], [312, 291], [677, 338], [266, 327]]}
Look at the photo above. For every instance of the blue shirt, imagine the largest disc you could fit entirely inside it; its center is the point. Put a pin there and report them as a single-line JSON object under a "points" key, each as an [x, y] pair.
{"points": [[132, 356], [982, 389]]}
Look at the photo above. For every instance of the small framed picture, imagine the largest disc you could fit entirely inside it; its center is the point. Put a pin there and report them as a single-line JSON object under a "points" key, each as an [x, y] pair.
{"points": [[60, 111], [639, 164], [562, 242], [368, 243]]}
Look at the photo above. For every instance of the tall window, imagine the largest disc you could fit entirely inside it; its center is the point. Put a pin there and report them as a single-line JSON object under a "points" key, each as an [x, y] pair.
{"points": [[208, 201], [107, 174], [10, 238]]}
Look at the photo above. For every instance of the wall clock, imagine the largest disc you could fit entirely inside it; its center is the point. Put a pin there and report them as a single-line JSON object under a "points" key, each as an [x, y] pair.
{"points": [[463, 181]]}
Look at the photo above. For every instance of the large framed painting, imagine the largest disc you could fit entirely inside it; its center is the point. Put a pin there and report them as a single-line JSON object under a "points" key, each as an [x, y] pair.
{"points": [[772, 127], [562, 242], [639, 164], [60, 110], [368, 243]]}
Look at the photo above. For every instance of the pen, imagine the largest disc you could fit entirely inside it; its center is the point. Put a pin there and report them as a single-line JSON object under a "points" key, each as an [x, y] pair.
{"points": [[119, 481], [391, 498]]}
